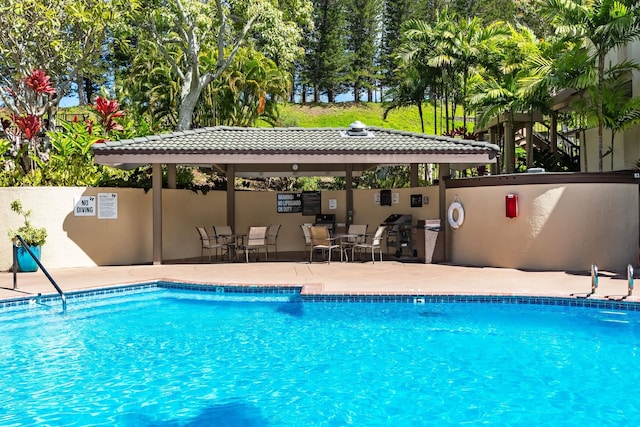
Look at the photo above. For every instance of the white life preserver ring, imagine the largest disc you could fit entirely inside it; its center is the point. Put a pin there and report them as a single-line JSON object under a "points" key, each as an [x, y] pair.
{"points": [[455, 220]]}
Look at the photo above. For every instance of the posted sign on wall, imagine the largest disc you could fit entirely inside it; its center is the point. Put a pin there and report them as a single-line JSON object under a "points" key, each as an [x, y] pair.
{"points": [[107, 205], [289, 202], [85, 206]]}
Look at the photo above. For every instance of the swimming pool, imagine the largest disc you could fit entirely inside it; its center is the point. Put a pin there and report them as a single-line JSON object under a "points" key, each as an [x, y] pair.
{"points": [[175, 357]]}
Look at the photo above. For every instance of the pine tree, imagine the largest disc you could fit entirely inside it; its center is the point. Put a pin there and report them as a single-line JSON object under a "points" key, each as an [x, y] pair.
{"points": [[395, 12], [363, 17], [326, 58]]}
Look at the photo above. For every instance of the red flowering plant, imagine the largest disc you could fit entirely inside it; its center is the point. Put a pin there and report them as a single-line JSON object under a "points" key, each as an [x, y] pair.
{"points": [[39, 82], [463, 133], [27, 146], [108, 110], [71, 153]]}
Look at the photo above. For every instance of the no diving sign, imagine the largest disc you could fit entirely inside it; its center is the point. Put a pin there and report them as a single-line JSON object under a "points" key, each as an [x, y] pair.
{"points": [[85, 206]]}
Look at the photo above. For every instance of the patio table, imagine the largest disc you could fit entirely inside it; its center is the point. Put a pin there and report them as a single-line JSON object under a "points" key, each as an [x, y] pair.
{"points": [[347, 241]]}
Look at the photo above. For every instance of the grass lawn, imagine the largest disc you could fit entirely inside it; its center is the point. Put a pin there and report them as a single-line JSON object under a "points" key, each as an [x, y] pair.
{"points": [[340, 115]]}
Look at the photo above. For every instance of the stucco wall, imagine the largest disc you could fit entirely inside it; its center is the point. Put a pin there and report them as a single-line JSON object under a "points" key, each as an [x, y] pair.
{"points": [[81, 241], [559, 227]]}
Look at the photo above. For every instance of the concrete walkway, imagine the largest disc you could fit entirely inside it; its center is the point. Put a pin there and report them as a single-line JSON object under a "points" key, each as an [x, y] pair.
{"points": [[388, 277]]}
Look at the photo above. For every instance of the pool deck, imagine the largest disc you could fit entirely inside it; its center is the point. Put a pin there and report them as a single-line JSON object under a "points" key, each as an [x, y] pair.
{"points": [[381, 278]]}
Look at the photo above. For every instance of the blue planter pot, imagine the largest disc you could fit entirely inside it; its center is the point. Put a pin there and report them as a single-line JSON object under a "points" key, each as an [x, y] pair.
{"points": [[25, 261]]}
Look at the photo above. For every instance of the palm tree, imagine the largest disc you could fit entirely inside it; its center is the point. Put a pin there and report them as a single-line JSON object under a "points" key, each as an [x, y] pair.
{"points": [[248, 90], [598, 27], [422, 49], [492, 97], [472, 46], [410, 89], [505, 92], [457, 47], [620, 113]]}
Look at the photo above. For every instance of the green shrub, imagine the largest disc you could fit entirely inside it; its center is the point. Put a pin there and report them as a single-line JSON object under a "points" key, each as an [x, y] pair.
{"points": [[33, 236]]}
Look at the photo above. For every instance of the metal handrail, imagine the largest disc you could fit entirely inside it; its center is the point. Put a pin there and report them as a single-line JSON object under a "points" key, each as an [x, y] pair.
{"points": [[63, 297]]}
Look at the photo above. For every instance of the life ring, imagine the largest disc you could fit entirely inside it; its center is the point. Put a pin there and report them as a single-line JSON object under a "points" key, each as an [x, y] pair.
{"points": [[454, 222]]}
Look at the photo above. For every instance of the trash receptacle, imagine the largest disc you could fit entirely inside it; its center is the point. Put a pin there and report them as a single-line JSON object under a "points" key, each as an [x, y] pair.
{"points": [[429, 242]]}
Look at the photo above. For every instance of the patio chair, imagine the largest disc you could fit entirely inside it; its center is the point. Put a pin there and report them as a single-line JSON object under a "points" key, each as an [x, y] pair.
{"points": [[321, 240], [224, 233], [224, 236], [356, 233], [272, 237], [307, 238], [208, 243], [376, 244], [256, 239]]}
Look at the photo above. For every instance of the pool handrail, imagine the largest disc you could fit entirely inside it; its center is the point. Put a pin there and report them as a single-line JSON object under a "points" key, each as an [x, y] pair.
{"points": [[594, 278], [630, 279], [17, 238]]}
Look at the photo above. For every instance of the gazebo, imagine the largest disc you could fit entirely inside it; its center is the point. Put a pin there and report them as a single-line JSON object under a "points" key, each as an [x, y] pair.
{"points": [[236, 151]]}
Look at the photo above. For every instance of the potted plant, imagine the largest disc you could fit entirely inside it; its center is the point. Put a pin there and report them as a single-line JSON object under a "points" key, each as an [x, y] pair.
{"points": [[34, 237]]}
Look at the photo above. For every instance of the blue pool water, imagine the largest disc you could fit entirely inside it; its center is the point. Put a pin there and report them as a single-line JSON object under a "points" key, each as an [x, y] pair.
{"points": [[180, 358]]}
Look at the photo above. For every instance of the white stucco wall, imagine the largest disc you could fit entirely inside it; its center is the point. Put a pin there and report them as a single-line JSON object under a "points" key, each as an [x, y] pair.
{"points": [[559, 227]]}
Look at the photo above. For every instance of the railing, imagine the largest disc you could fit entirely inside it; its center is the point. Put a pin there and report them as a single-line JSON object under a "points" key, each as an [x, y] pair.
{"points": [[17, 238], [565, 144]]}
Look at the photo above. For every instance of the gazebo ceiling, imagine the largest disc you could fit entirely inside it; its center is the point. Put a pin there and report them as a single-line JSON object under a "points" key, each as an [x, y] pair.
{"points": [[293, 151]]}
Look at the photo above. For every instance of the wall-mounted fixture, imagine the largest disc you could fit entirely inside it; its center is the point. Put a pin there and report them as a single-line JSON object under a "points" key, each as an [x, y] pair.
{"points": [[295, 167], [511, 205], [385, 197]]}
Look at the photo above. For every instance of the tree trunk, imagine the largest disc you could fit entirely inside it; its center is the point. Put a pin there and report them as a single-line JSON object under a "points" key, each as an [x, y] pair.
{"points": [[465, 78], [187, 107], [82, 95], [421, 116], [600, 112], [441, 116], [446, 110], [89, 89], [432, 100], [316, 93], [613, 137], [331, 96], [583, 149], [356, 91]]}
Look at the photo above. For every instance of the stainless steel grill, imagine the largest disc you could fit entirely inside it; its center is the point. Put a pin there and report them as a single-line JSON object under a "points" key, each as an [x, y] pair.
{"points": [[399, 234]]}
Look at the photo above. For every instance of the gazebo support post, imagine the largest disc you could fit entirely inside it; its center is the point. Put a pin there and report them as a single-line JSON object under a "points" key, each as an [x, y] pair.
{"points": [[413, 173], [156, 184], [231, 196], [443, 175], [349, 190], [172, 174]]}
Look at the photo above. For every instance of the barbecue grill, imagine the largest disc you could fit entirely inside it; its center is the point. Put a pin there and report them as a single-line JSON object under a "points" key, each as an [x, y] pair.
{"points": [[399, 233], [327, 220]]}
